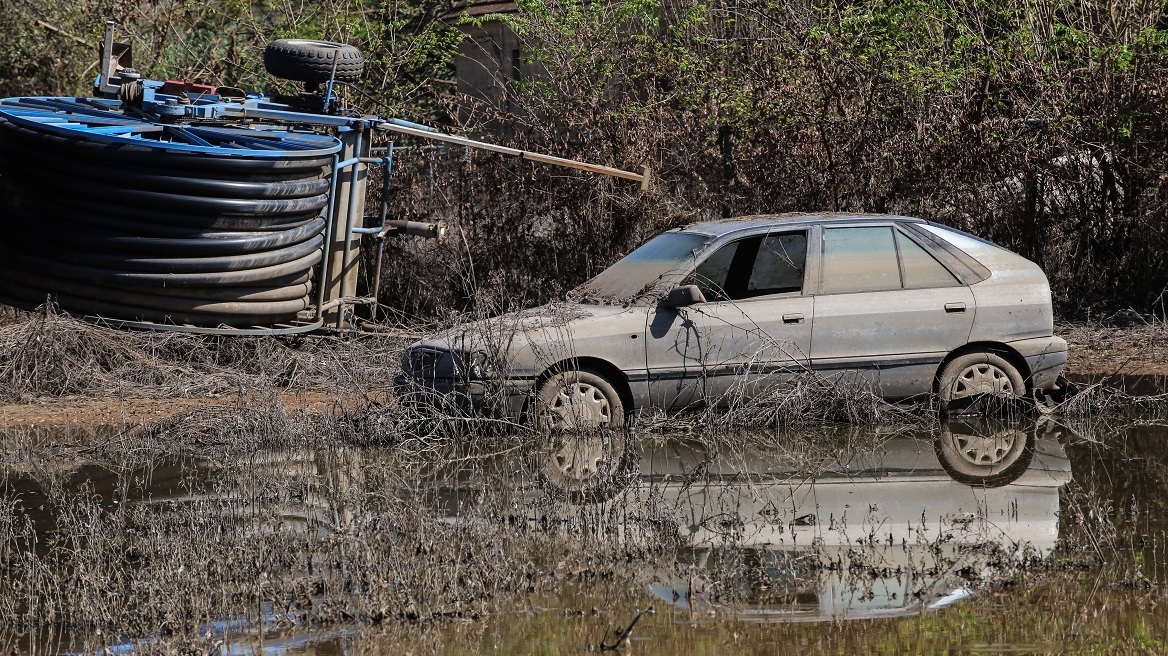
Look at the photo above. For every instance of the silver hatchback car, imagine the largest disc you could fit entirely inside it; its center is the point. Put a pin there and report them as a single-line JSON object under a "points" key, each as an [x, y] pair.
{"points": [[720, 311]]}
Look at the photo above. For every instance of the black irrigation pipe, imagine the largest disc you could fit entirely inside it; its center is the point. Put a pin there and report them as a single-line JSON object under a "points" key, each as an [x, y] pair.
{"points": [[110, 212], [134, 262], [245, 277], [144, 233], [241, 207], [45, 166], [116, 296], [229, 314], [83, 238]]}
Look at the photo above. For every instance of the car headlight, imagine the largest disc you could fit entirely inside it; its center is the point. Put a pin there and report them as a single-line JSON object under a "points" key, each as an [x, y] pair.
{"points": [[427, 362]]}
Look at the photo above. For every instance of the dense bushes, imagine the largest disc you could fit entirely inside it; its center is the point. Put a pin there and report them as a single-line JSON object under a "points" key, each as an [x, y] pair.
{"points": [[1037, 124]]}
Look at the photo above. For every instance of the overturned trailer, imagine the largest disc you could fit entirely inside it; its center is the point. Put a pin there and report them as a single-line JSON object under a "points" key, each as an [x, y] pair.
{"points": [[178, 206]]}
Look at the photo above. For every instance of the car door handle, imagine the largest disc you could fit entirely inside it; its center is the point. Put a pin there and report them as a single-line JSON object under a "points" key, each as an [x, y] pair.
{"points": [[794, 317], [955, 307]]}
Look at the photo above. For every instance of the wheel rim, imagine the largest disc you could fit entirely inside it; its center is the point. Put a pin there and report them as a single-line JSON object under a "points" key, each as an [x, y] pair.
{"points": [[982, 450], [580, 460], [577, 405], [981, 378]]}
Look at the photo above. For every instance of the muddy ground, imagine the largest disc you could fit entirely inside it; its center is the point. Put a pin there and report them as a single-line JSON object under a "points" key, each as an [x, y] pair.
{"points": [[1128, 347]]}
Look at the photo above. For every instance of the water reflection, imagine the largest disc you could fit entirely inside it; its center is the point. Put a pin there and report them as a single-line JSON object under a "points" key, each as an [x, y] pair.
{"points": [[911, 525], [849, 522]]}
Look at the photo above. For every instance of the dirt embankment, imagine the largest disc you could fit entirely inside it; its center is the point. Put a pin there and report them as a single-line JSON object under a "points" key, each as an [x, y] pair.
{"points": [[1137, 348]]}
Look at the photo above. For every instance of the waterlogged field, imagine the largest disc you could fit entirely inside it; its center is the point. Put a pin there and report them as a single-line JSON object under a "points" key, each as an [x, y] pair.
{"points": [[248, 529]]}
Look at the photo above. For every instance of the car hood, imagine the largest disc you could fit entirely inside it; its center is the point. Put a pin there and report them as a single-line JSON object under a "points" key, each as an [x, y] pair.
{"points": [[528, 341]]}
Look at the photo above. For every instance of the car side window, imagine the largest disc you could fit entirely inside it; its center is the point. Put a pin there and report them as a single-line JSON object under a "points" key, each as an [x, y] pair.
{"points": [[779, 265], [754, 266], [922, 270], [710, 276], [859, 260]]}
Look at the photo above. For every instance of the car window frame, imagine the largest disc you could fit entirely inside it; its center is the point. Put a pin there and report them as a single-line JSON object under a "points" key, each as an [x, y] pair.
{"points": [[944, 258], [810, 264], [899, 228]]}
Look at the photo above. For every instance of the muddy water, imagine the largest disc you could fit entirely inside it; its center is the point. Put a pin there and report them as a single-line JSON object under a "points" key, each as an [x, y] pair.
{"points": [[1032, 535]]}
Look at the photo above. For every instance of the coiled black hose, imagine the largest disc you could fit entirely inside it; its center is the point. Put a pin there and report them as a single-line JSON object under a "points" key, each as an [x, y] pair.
{"points": [[141, 233]]}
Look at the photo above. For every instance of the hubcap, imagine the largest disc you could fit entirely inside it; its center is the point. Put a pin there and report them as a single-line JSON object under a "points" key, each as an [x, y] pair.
{"points": [[982, 378], [578, 405], [983, 451], [580, 459]]}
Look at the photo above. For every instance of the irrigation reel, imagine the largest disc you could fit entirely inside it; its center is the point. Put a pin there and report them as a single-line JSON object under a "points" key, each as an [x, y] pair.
{"points": [[170, 205]]}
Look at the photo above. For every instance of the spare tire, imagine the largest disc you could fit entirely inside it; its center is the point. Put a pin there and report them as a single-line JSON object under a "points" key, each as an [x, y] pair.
{"points": [[304, 60]]}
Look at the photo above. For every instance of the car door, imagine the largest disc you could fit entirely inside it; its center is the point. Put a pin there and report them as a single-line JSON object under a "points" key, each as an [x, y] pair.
{"points": [[753, 330], [886, 309]]}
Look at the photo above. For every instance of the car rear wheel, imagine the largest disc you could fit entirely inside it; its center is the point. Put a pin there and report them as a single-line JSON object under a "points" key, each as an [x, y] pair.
{"points": [[969, 382], [579, 399]]}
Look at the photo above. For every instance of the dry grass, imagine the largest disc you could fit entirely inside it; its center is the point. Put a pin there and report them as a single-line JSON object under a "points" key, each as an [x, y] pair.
{"points": [[46, 354]]}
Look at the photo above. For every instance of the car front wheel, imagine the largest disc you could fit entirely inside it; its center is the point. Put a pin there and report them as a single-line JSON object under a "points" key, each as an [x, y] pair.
{"points": [[969, 381], [579, 399]]}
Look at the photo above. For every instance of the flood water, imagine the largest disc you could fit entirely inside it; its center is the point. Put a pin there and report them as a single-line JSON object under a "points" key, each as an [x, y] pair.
{"points": [[1034, 535]]}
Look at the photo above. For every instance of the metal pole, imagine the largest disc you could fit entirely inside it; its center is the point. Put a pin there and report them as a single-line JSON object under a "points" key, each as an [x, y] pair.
{"points": [[421, 131], [348, 203], [355, 213]]}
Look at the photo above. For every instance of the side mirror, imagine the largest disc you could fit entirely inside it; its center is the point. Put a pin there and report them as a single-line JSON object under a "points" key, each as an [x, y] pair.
{"points": [[684, 296]]}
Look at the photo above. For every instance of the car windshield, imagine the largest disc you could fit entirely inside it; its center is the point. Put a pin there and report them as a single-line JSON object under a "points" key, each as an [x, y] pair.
{"points": [[636, 273]]}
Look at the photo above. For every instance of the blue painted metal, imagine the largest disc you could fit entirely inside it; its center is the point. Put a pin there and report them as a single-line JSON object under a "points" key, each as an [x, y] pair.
{"points": [[82, 119]]}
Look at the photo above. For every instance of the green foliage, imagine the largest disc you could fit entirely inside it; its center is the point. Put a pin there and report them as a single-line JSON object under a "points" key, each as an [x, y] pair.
{"points": [[54, 44]]}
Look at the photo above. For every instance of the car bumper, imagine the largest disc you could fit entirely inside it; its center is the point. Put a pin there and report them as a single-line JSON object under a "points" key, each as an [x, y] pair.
{"points": [[1046, 357], [504, 398]]}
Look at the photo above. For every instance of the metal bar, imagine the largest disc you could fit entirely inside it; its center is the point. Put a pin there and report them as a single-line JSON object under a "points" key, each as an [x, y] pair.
{"points": [[347, 259], [328, 93], [377, 280], [642, 177], [449, 138], [323, 281], [107, 54], [284, 115], [349, 300], [421, 131], [383, 210], [125, 129]]}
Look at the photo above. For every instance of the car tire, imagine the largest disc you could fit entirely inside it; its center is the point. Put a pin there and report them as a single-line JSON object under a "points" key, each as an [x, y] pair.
{"points": [[304, 60], [587, 469], [578, 399], [987, 454], [968, 383]]}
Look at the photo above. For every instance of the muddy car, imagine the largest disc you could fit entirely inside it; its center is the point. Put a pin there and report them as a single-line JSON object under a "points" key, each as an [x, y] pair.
{"points": [[718, 312]]}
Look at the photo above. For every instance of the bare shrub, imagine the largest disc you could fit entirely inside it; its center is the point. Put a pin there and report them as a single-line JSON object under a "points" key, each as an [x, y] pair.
{"points": [[48, 354]]}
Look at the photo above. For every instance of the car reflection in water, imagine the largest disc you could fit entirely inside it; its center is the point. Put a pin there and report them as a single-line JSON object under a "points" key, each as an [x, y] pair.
{"points": [[731, 526], [912, 526]]}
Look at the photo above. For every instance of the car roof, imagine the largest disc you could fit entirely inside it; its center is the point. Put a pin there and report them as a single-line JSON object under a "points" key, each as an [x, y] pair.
{"points": [[786, 220]]}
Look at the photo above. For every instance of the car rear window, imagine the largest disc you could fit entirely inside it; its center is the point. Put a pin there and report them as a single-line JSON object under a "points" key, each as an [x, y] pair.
{"points": [[921, 270], [859, 260]]}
